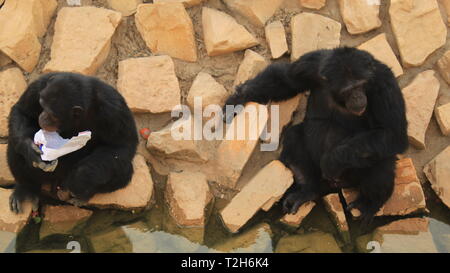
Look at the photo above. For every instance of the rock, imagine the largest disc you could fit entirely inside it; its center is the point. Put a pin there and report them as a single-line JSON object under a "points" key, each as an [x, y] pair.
{"points": [[285, 109], [127, 7], [276, 38], [444, 66], [9, 221], [420, 97], [23, 23], [222, 34], [382, 51], [443, 118], [263, 190], [438, 173], [187, 3], [149, 84], [6, 178], [407, 197], [334, 207], [295, 220], [410, 235], [207, 88], [111, 241], [188, 194], [82, 39], [256, 11], [12, 85], [360, 16], [167, 29], [255, 240], [418, 29], [313, 4], [252, 64], [137, 195], [446, 4], [311, 32], [4, 60], [7, 241], [315, 242], [165, 142], [62, 220], [237, 147]]}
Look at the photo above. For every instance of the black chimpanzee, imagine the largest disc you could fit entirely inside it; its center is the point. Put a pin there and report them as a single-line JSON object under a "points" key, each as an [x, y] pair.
{"points": [[68, 104], [354, 127]]}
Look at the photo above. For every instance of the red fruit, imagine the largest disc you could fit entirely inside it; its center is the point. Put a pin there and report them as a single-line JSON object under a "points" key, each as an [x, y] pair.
{"points": [[145, 133]]}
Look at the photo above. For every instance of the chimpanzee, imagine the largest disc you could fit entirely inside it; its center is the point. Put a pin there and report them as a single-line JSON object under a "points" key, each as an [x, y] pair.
{"points": [[354, 127], [70, 103]]}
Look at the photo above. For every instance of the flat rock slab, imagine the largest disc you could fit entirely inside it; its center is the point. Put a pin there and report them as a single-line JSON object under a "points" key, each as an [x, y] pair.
{"points": [[443, 118], [127, 7], [82, 39], [188, 194], [418, 29], [382, 51], [10, 221], [6, 178], [252, 64], [313, 4], [208, 89], [187, 3], [276, 38], [62, 219], [7, 241], [149, 84], [258, 239], [167, 29], [360, 16], [241, 138], [446, 4], [420, 97], [407, 198], [296, 219], [444, 66], [315, 242], [256, 11], [137, 195], [334, 207], [222, 34], [264, 189], [23, 23], [438, 173], [311, 31], [12, 85]]}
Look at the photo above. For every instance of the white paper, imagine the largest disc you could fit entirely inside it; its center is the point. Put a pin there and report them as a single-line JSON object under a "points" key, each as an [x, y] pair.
{"points": [[53, 145]]}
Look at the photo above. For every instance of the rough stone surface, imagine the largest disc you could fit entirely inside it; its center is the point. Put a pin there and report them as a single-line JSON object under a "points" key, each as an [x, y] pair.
{"points": [[6, 178], [252, 64], [7, 241], [9, 221], [264, 189], [443, 118], [167, 29], [62, 219], [296, 219], [313, 4], [407, 198], [187, 3], [382, 51], [127, 7], [256, 240], [149, 84], [4, 60], [256, 11], [446, 4], [420, 97], [222, 34], [311, 32], [188, 194], [234, 152], [286, 110], [444, 66], [12, 85], [206, 87], [438, 173], [315, 242], [335, 208], [137, 195], [23, 23], [360, 16], [418, 29], [276, 38], [82, 39]]}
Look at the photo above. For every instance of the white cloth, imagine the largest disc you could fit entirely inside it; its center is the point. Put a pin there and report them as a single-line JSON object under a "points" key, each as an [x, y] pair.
{"points": [[53, 145]]}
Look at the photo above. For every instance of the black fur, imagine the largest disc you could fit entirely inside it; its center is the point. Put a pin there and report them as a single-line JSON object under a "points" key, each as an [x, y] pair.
{"points": [[103, 165], [332, 148]]}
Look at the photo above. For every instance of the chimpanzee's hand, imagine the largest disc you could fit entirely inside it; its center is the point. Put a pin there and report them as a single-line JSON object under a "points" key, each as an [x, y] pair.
{"points": [[32, 154]]}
